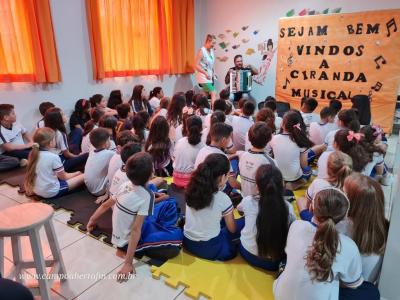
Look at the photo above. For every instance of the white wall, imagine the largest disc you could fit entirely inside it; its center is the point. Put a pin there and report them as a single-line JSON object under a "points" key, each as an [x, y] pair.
{"points": [[263, 15], [69, 21]]}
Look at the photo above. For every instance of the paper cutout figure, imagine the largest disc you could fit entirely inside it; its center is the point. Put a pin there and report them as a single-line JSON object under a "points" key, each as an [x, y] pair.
{"points": [[222, 45], [337, 10], [244, 28], [325, 11], [245, 40], [235, 34], [226, 50], [303, 12], [250, 51], [223, 58], [235, 46], [268, 52], [290, 13], [256, 32], [222, 36], [228, 30]]}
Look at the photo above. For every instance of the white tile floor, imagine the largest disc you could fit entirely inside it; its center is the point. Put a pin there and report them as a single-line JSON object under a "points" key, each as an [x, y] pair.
{"points": [[85, 255]]}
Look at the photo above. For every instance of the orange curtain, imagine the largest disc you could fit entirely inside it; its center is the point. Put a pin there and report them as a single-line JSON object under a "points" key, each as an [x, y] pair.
{"points": [[141, 37], [27, 47]]}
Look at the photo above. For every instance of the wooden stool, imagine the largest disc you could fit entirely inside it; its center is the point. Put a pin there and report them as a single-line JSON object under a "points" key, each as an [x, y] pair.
{"points": [[26, 220]]}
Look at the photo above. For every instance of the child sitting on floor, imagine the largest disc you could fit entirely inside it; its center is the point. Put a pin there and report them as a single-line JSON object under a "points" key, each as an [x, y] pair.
{"points": [[93, 123], [266, 116], [134, 227], [321, 262], [206, 205], [340, 165], [124, 122], [366, 223], [139, 127], [56, 119], [267, 219], [15, 140], [241, 125], [186, 150], [251, 160], [97, 164], [319, 130], [45, 174], [308, 105], [77, 123], [43, 107]]}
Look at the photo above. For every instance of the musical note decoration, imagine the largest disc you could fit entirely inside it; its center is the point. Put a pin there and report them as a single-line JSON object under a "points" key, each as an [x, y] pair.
{"points": [[377, 87], [380, 58], [391, 23], [235, 34], [286, 83]]}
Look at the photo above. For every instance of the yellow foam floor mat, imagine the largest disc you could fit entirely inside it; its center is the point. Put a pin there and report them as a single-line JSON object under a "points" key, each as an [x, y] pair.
{"points": [[234, 279]]}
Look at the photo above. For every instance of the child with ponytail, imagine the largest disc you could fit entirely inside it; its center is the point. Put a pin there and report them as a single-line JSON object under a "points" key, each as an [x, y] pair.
{"points": [[186, 150], [321, 262], [340, 165], [155, 96], [372, 142], [366, 223], [293, 150], [206, 205], [45, 176], [56, 119], [267, 218]]}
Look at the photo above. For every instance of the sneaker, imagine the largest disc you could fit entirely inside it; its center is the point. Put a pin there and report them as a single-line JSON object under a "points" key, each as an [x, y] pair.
{"points": [[23, 162], [387, 179]]}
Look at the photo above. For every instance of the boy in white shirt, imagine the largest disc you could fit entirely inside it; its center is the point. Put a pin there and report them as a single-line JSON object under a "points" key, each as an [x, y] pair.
{"points": [[15, 140], [259, 135], [43, 107], [319, 130], [308, 105], [241, 125], [221, 135], [97, 164]]}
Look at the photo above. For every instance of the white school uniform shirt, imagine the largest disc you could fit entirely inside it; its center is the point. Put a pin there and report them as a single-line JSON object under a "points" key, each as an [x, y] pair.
{"points": [[248, 145], [318, 131], [278, 123], [162, 112], [185, 155], [86, 145], [371, 264], [40, 123], [131, 200], [287, 156], [330, 139], [204, 134], [249, 206], [178, 133], [308, 118], [61, 142], [114, 165], [118, 179], [207, 120], [249, 163], [96, 169], [204, 224], [377, 160], [12, 135], [316, 186], [323, 164], [228, 119], [295, 281], [46, 183], [206, 151], [154, 103], [241, 126]]}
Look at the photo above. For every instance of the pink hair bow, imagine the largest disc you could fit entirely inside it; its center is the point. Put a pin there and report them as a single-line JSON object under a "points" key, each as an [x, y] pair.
{"points": [[354, 135], [297, 126], [378, 130]]}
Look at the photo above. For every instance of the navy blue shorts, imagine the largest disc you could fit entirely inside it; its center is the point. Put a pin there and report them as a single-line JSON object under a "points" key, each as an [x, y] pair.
{"points": [[64, 189], [257, 262]]}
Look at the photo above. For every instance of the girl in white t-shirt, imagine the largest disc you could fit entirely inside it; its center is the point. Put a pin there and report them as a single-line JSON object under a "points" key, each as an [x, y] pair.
{"points": [[321, 262], [139, 127], [160, 147], [206, 205], [155, 96], [202, 107], [366, 223], [372, 141], [292, 150], [93, 123], [267, 218], [45, 176], [340, 165], [185, 152], [175, 114], [56, 119]]}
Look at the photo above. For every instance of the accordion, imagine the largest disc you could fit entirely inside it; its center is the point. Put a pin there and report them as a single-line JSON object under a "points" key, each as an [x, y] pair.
{"points": [[241, 81]]}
